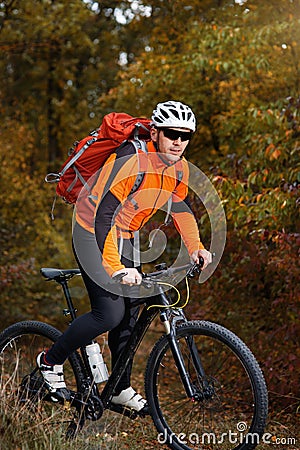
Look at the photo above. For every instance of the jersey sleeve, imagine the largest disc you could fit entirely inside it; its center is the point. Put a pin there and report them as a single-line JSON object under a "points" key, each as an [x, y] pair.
{"points": [[119, 176], [186, 225], [183, 216], [106, 233]]}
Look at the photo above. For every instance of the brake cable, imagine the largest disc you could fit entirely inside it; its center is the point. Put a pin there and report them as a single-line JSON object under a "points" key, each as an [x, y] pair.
{"points": [[173, 305]]}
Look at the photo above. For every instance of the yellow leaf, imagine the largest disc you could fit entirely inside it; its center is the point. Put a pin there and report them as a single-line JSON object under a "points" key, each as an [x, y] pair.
{"points": [[269, 149], [275, 154]]}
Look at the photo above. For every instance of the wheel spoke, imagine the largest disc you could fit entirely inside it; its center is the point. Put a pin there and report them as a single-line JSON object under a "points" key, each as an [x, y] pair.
{"points": [[22, 387], [232, 392]]}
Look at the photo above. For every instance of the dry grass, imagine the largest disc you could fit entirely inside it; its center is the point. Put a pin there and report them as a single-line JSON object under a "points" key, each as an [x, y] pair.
{"points": [[40, 427]]}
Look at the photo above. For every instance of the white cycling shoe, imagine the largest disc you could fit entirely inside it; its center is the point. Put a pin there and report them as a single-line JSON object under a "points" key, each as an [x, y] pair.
{"points": [[53, 377], [129, 399]]}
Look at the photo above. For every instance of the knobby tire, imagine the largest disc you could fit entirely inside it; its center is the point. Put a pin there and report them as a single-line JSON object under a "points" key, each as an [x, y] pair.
{"points": [[20, 344], [232, 416]]}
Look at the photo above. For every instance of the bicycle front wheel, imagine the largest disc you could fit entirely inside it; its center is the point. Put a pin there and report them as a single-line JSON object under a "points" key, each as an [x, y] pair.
{"points": [[230, 407], [21, 384]]}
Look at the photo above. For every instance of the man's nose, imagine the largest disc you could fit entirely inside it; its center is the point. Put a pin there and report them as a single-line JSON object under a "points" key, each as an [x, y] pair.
{"points": [[178, 140]]}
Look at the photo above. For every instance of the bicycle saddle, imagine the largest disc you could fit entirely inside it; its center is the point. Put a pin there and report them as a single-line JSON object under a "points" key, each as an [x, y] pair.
{"points": [[58, 274]]}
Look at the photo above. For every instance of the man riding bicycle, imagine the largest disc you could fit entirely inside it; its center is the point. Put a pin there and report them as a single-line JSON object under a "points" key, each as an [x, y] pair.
{"points": [[104, 240]]}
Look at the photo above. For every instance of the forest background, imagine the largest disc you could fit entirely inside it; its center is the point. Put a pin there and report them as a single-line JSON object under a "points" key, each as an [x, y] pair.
{"points": [[64, 64]]}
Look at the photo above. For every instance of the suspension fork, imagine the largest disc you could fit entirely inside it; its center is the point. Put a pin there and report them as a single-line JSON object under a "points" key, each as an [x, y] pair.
{"points": [[176, 352], [191, 391], [179, 361], [170, 327], [195, 357]]}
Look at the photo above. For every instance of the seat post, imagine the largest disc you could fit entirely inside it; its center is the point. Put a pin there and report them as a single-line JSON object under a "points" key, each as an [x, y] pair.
{"points": [[71, 310]]}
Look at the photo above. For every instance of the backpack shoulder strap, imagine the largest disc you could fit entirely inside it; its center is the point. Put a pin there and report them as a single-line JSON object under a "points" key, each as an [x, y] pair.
{"points": [[77, 155], [179, 176], [55, 177], [139, 145]]}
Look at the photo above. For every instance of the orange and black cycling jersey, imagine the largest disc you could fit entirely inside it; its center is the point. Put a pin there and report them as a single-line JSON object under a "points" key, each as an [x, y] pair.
{"points": [[111, 212]]}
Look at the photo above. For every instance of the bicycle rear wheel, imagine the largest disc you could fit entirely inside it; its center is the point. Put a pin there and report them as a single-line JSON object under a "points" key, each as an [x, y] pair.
{"points": [[231, 409], [21, 384]]}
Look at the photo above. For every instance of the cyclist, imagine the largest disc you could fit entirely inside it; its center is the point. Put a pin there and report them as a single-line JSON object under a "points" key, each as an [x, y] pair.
{"points": [[104, 240]]}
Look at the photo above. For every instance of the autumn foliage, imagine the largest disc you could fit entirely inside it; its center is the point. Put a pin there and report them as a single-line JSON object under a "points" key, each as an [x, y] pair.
{"points": [[66, 64]]}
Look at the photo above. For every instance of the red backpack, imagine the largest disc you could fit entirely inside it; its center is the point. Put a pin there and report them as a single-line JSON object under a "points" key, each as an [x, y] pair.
{"points": [[88, 155]]}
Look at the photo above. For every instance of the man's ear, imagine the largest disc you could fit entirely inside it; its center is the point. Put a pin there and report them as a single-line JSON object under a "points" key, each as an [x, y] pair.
{"points": [[154, 134]]}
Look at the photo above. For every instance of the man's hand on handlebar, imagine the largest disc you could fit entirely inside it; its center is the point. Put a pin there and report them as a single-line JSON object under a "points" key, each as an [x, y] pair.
{"points": [[132, 277], [129, 276], [199, 256]]}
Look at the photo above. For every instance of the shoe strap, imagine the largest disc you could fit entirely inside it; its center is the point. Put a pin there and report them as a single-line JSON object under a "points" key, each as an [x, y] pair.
{"points": [[139, 397]]}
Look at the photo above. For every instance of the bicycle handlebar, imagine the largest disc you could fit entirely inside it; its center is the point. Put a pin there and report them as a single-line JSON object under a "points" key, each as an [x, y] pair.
{"points": [[191, 270]]}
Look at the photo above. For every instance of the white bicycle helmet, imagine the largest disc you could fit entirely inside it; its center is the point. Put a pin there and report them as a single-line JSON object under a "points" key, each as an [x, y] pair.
{"points": [[173, 114]]}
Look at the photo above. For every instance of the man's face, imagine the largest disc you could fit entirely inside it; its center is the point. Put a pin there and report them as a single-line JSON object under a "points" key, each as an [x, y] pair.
{"points": [[171, 142]]}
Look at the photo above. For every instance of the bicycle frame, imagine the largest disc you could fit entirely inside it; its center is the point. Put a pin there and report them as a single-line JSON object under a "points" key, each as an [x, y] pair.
{"points": [[133, 343], [180, 395], [146, 317]]}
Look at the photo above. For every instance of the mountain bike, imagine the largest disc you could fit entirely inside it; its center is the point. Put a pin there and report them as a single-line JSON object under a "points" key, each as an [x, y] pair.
{"points": [[203, 386]]}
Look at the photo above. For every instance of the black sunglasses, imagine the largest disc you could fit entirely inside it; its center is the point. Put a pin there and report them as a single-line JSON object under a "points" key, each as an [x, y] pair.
{"points": [[176, 134]]}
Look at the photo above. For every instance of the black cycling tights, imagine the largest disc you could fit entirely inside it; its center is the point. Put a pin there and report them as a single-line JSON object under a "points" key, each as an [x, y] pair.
{"points": [[109, 312]]}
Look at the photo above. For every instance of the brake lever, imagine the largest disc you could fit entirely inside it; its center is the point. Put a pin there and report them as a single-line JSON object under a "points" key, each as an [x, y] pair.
{"points": [[195, 269], [192, 271], [119, 277], [146, 282]]}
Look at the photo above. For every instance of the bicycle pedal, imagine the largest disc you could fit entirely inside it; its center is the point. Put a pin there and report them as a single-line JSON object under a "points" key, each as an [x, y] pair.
{"points": [[120, 409], [63, 396], [129, 412], [144, 411]]}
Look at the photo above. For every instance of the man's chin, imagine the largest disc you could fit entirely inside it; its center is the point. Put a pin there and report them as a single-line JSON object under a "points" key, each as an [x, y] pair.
{"points": [[172, 157]]}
